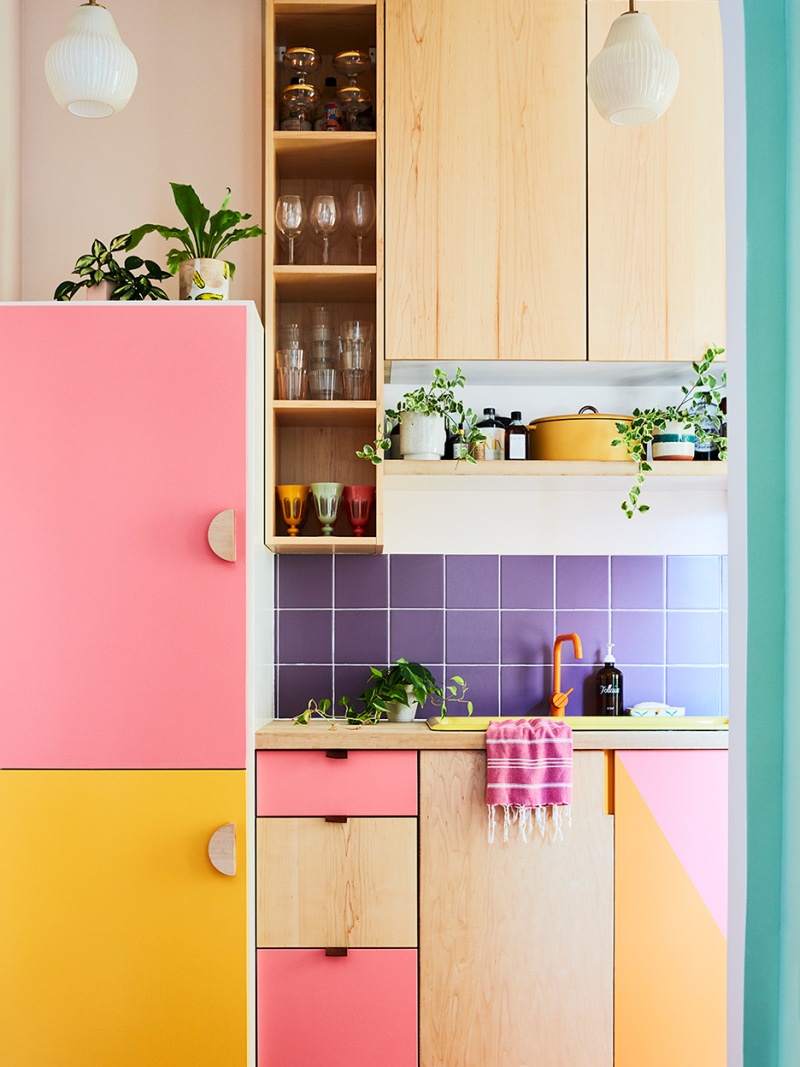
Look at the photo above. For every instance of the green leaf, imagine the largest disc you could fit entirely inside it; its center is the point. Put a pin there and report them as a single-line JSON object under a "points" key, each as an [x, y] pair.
{"points": [[644, 507], [194, 212], [118, 244], [133, 263], [98, 248], [65, 291]]}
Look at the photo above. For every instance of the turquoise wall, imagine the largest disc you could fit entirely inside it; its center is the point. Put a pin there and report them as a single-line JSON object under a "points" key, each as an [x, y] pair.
{"points": [[769, 328]]}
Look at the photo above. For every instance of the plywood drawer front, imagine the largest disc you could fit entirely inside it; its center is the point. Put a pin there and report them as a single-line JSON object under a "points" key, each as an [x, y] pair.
{"points": [[311, 783], [324, 884], [306, 1008]]}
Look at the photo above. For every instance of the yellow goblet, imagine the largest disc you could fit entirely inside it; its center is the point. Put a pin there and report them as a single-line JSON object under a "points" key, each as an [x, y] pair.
{"points": [[294, 501]]}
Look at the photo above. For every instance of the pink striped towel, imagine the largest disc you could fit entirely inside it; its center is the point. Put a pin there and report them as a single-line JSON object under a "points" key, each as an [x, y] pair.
{"points": [[529, 774]]}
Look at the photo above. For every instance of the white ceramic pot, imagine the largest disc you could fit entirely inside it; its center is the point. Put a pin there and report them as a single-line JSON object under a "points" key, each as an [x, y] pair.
{"points": [[403, 712], [421, 436], [203, 279], [675, 441]]}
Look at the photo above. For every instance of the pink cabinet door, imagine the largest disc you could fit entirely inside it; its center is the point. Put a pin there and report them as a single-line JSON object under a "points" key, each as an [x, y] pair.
{"points": [[122, 636], [358, 1010], [312, 783]]}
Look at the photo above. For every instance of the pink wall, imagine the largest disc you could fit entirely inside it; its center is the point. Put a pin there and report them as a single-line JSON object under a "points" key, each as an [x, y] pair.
{"points": [[195, 116]]}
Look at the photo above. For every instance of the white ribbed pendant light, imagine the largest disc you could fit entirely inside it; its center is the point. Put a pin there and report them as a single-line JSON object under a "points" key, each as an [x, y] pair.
{"points": [[89, 70], [633, 79]]}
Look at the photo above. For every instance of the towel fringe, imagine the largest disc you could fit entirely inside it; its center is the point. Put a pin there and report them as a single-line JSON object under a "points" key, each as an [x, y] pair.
{"points": [[531, 821]]}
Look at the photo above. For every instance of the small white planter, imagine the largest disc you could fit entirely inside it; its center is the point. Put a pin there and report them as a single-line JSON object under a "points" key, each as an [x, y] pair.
{"points": [[421, 436], [403, 712], [203, 279], [674, 442]]}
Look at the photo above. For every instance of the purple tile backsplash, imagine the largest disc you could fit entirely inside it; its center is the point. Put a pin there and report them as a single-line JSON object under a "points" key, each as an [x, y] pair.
{"points": [[493, 619]]}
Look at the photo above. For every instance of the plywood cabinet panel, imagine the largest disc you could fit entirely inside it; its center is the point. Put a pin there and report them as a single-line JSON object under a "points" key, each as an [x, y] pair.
{"points": [[485, 180], [656, 197], [350, 884], [516, 953]]}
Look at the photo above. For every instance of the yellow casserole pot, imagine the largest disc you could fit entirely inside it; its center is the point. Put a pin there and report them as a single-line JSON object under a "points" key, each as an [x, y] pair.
{"points": [[587, 435]]}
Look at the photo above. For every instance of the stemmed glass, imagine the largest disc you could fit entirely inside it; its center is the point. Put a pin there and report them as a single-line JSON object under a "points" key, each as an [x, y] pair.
{"points": [[290, 215], [360, 212], [325, 215], [300, 96], [353, 98]]}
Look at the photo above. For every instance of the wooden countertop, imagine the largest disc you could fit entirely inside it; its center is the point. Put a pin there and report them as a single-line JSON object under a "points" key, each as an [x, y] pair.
{"points": [[283, 734]]}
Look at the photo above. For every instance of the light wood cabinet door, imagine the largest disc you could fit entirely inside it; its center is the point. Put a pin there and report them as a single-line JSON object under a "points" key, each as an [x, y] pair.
{"points": [[485, 246], [121, 943], [346, 884], [656, 197], [516, 940]]}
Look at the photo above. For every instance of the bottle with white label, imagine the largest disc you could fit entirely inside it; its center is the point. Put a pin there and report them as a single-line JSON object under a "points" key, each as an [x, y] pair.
{"points": [[516, 438], [609, 687], [495, 434]]}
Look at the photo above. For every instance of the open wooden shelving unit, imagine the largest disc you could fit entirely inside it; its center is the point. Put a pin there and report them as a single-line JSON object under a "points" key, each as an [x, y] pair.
{"points": [[315, 440]]}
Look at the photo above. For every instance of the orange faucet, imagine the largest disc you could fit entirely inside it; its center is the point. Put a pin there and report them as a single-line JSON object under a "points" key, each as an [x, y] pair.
{"points": [[558, 700]]}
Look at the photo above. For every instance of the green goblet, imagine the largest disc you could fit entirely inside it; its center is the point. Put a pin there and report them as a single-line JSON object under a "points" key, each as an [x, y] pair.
{"points": [[326, 501]]}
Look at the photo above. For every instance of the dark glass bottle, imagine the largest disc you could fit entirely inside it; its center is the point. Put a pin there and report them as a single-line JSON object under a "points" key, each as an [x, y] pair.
{"points": [[516, 438], [495, 434], [460, 446], [717, 425], [609, 687]]}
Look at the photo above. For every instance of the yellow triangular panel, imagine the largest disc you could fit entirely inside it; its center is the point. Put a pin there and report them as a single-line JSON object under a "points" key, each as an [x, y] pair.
{"points": [[670, 956]]}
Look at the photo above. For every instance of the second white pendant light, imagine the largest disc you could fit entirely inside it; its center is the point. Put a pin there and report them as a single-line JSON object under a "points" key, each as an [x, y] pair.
{"points": [[633, 79], [89, 69]]}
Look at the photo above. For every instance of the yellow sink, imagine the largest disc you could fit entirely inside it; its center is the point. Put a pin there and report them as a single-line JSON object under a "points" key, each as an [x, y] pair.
{"points": [[588, 722]]}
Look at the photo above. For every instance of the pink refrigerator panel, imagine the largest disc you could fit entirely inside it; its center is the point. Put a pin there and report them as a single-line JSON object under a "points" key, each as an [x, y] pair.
{"points": [[311, 783], [358, 1010], [122, 636]]}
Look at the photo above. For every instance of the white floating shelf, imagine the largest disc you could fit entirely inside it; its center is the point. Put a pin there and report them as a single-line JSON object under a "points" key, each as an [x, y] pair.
{"points": [[579, 372]]}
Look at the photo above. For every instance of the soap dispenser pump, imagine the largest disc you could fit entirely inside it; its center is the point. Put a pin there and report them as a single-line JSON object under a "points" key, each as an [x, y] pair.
{"points": [[609, 687]]}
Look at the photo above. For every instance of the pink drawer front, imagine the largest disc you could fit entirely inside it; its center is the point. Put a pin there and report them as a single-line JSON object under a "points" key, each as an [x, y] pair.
{"points": [[312, 783], [358, 1010]]}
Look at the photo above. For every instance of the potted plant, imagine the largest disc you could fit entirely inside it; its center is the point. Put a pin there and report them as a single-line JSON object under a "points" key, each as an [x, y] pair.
{"points": [[203, 275], [423, 415], [103, 278], [672, 431], [396, 692]]}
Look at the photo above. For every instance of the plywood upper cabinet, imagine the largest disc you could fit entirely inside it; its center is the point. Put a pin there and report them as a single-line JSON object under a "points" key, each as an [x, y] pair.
{"points": [[656, 197], [485, 180]]}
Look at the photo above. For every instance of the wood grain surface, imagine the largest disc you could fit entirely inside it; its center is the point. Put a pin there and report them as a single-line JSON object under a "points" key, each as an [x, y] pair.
{"points": [[347, 884], [516, 940], [657, 202], [485, 180]]}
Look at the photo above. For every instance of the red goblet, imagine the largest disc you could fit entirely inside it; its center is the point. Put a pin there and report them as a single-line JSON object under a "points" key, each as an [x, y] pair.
{"points": [[358, 501]]}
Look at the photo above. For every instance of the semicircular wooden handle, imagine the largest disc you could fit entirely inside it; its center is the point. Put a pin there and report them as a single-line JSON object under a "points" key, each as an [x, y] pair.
{"points": [[222, 535], [222, 849]]}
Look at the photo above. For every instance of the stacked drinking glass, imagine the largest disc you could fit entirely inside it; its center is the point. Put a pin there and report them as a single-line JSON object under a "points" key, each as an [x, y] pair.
{"points": [[324, 376], [290, 363]]}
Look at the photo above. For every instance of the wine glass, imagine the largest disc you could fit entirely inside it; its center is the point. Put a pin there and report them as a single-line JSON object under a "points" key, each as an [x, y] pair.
{"points": [[360, 212], [325, 215], [299, 95], [290, 215], [352, 97]]}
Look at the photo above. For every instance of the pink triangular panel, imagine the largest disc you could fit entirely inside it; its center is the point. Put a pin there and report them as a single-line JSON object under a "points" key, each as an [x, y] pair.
{"points": [[687, 792]]}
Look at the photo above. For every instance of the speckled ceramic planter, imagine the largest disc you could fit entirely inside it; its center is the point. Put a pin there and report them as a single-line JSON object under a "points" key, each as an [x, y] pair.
{"points": [[421, 436]]}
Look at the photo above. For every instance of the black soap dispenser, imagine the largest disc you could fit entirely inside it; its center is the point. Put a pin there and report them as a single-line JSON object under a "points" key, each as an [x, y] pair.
{"points": [[609, 687]]}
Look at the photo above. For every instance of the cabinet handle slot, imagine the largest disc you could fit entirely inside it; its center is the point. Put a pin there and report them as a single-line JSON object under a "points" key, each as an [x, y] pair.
{"points": [[335, 818], [336, 753], [335, 951]]}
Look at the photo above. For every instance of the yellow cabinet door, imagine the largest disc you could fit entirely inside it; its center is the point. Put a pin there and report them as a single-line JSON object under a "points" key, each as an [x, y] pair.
{"points": [[122, 945], [485, 198], [657, 201]]}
